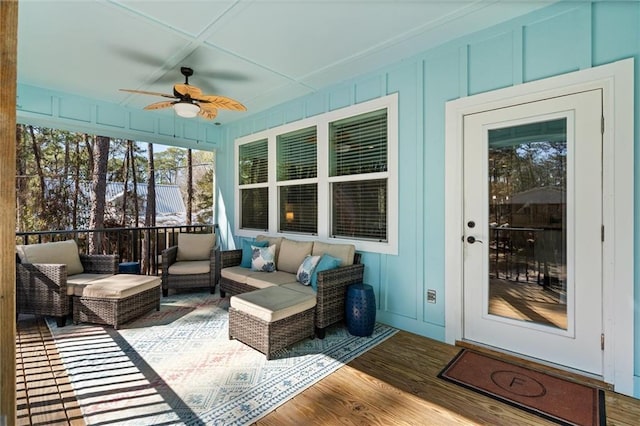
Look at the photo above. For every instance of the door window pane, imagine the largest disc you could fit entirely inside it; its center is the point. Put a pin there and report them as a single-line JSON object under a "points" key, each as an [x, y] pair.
{"points": [[528, 221]]}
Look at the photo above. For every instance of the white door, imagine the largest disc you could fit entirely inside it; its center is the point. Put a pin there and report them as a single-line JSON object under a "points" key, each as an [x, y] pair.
{"points": [[533, 223]]}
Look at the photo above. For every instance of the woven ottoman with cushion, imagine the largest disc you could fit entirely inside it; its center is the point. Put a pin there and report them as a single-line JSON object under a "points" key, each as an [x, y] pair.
{"points": [[117, 299], [272, 318]]}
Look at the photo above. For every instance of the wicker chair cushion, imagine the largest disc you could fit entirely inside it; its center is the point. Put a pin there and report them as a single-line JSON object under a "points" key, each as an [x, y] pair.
{"points": [[195, 246], [292, 253], [264, 279], [77, 283], [120, 286], [344, 252], [59, 252], [273, 303], [190, 267]]}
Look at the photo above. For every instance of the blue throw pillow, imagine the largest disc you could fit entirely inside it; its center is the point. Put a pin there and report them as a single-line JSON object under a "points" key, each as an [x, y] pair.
{"points": [[247, 253], [326, 262]]}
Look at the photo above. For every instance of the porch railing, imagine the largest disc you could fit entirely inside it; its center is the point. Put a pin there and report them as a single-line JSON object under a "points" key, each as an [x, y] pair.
{"points": [[144, 244]]}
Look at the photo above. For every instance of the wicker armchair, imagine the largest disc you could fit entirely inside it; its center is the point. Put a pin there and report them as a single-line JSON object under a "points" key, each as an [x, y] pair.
{"points": [[331, 294], [41, 289], [190, 264]]}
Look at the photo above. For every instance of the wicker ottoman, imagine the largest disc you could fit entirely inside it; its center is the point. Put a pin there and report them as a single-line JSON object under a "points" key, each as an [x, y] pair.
{"points": [[271, 318], [117, 299]]}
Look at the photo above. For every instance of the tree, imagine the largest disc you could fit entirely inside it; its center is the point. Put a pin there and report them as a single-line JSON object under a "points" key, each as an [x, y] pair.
{"points": [[150, 215], [98, 192]]}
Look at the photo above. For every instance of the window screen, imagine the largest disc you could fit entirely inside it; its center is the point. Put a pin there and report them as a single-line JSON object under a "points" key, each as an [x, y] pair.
{"points": [[254, 208], [299, 208], [360, 209]]}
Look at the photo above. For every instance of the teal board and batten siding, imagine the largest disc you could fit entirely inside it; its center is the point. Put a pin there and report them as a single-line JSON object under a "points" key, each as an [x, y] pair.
{"points": [[561, 38], [46, 108]]}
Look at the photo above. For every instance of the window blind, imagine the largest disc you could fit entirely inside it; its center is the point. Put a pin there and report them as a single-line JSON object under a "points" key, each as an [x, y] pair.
{"points": [[297, 153], [358, 144], [299, 208], [254, 208], [359, 209], [253, 158]]}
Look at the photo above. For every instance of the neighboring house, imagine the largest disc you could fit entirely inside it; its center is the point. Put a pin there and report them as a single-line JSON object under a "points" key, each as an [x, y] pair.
{"points": [[413, 281], [170, 208]]}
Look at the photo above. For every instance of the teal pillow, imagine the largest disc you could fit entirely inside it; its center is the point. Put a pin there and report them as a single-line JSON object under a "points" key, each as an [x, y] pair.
{"points": [[326, 262], [247, 252]]}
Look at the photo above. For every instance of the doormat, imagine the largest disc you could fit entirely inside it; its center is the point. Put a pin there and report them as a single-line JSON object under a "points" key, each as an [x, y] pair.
{"points": [[554, 398]]}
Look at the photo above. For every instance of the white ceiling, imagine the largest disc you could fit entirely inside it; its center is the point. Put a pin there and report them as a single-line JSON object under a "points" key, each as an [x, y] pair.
{"points": [[260, 52]]}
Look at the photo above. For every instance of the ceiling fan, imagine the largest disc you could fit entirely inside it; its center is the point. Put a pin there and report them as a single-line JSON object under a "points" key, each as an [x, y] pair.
{"points": [[190, 101]]}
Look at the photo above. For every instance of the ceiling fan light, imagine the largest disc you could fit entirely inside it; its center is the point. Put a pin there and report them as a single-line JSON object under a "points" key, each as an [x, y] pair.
{"points": [[186, 109]]}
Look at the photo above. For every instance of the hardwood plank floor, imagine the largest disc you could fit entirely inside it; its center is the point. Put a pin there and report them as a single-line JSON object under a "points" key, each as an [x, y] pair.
{"points": [[394, 383]]}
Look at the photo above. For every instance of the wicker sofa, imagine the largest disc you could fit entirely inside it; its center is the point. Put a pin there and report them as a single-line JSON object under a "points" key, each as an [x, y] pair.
{"points": [[49, 274], [331, 284]]}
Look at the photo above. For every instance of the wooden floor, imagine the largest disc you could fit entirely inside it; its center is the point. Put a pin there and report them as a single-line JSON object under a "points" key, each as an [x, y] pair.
{"points": [[394, 383]]}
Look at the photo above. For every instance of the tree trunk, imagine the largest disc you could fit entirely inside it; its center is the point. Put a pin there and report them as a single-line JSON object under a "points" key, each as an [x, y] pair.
{"points": [[148, 249], [125, 184], [98, 193], [189, 185], [136, 210], [38, 158], [76, 186]]}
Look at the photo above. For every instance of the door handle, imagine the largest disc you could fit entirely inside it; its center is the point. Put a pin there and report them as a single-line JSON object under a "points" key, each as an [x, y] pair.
{"points": [[471, 239]]}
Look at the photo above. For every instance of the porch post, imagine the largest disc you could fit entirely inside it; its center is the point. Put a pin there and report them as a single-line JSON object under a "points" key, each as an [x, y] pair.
{"points": [[8, 81]]}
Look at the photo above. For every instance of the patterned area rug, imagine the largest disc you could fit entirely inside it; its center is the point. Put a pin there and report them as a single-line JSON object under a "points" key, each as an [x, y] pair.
{"points": [[178, 366]]}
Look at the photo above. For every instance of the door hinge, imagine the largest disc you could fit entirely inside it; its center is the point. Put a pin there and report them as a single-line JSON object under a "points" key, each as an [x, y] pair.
{"points": [[602, 233], [602, 125], [602, 341]]}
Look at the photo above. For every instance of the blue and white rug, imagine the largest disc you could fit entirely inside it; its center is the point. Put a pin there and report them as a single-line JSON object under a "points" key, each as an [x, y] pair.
{"points": [[178, 366]]}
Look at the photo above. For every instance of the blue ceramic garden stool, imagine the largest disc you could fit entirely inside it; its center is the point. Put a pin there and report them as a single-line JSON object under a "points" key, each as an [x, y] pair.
{"points": [[129, 268], [360, 309]]}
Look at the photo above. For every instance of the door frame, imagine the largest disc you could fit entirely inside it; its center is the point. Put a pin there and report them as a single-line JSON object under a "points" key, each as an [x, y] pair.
{"points": [[617, 83]]}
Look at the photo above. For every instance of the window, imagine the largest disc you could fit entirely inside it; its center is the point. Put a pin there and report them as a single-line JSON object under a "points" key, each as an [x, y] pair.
{"points": [[331, 177], [253, 178], [297, 163]]}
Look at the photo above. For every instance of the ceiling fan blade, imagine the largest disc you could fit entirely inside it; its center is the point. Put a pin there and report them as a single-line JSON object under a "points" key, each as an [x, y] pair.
{"points": [[144, 92], [221, 102], [208, 111], [160, 105], [187, 89]]}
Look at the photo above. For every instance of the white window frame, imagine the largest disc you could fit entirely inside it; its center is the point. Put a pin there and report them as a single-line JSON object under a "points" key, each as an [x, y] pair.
{"points": [[322, 122]]}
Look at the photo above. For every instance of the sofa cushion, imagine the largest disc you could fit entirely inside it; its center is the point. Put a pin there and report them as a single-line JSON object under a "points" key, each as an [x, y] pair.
{"points": [[195, 246], [59, 252], [326, 263], [306, 268], [344, 252], [263, 259], [292, 253], [273, 303], [237, 274], [190, 267], [270, 241], [247, 252], [260, 280], [306, 289], [76, 283], [120, 286]]}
